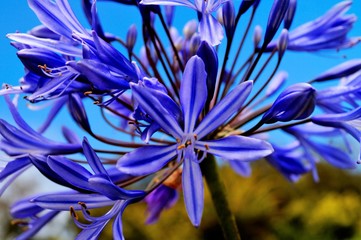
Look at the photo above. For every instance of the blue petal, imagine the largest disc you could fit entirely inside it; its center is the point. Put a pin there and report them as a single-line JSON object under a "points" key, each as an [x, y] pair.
{"points": [[193, 92], [224, 109], [93, 158], [193, 189], [149, 101], [118, 226], [58, 104], [71, 172], [24, 209], [111, 56], [237, 148], [103, 76], [334, 156], [62, 201], [102, 185], [338, 117], [36, 224], [342, 70], [146, 160], [185, 3], [33, 57], [57, 16], [49, 44], [14, 166], [93, 231], [210, 30], [40, 163]]}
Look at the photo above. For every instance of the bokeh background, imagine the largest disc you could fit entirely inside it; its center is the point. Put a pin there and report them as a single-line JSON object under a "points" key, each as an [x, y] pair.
{"points": [[266, 205]]}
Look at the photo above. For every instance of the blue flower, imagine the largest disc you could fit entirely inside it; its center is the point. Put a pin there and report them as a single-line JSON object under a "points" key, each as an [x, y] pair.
{"points": [[189, 137], [163, 197], [93, 190], [326, 32], [210, 29]]}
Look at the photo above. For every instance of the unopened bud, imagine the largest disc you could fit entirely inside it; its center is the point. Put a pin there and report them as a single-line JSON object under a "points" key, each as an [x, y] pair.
{"points": [[294, 103], [189, 29], [131, 37], [282, 43]]}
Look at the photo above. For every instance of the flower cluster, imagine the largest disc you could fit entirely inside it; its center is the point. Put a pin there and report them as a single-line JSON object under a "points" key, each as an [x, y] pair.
{"points": [[176, 107]]}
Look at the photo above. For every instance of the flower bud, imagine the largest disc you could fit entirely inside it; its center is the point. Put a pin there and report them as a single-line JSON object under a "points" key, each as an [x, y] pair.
{"points": [[282, 43], [246, 4], [275, 18], [290, 14], [131, 37], [342, 70], [228, 17], [257, 35], [189, 29], [169, 14], [210, 58], [194, 44], [294, 103]]}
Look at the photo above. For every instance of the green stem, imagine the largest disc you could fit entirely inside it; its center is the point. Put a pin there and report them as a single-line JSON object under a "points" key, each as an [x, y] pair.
{"points": [[216, 188]]}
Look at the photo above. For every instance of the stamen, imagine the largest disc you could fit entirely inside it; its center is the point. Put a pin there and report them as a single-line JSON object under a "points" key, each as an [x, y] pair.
{"points": [[19, 222], [73, 213], [83, 205], [44, 68], [181, 147]]}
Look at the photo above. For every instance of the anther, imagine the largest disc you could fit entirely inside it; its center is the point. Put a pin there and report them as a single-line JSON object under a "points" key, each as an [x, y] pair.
{"points": [[44, 68], [73, 213], [181, 147], [207, 147], [83, 205], [87, 93], [195, 136], [19, 222]]}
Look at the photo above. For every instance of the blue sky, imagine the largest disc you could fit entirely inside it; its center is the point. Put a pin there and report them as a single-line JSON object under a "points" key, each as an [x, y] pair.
{"points": [[16, 16]]}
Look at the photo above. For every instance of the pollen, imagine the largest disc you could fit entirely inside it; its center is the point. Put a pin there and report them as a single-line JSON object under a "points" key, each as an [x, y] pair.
{"points": [[181, 147]]}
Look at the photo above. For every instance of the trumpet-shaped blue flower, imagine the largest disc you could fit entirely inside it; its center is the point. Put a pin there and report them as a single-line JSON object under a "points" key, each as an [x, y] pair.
{"points": [[191, 136]]}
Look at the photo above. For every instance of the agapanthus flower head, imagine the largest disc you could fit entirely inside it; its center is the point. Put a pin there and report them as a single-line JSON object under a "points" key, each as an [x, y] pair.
{"points": [[174, 109]]}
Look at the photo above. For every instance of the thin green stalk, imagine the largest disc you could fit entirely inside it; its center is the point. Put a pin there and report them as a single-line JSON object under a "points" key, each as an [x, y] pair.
{"points": [[216, 187]]}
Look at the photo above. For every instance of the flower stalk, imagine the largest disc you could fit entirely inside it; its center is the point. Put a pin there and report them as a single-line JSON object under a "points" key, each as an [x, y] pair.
{"points": [[219, 198]]}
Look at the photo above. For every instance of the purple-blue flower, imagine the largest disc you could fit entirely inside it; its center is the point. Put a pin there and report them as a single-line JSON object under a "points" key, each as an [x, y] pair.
{"points": [[189, 135]]}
